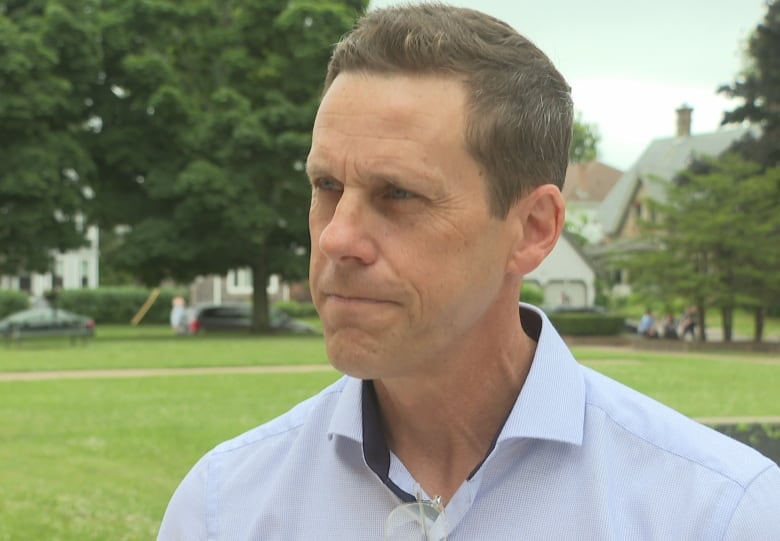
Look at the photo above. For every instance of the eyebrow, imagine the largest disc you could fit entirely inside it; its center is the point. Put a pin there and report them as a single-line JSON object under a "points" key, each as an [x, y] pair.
{"points": [[399, 177], [314, 169]]}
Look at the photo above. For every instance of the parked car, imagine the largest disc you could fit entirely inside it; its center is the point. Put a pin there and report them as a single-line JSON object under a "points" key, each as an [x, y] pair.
{"points": [[235, 316], [46, 321]]}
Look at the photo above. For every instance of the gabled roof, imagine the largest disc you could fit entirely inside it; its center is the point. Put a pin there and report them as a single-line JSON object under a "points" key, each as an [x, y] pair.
{"points": [[662, 159], [589, 181], [575, 245]]}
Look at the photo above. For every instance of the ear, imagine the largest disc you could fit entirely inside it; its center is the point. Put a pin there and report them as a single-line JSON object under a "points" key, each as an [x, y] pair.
{"points": [[538, 221]]}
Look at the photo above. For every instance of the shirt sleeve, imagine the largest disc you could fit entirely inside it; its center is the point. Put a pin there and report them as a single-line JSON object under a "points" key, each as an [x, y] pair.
{"points": [[186, 516], [757, 515]]}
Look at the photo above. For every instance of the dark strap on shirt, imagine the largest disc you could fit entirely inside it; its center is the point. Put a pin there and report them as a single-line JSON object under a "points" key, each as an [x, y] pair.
{"points": [[375, 450], [374, 443]]}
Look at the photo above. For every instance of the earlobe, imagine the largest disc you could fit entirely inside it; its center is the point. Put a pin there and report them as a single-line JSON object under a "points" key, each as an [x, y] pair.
{"points": [[538, 219]]}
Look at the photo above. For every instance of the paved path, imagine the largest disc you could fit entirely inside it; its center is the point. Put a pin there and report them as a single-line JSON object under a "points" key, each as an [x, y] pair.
{"points": [[150, 372], [771, 419]]}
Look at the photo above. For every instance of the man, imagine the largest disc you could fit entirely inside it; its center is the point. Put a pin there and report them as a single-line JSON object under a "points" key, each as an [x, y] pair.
{"points": [[437, 156]]}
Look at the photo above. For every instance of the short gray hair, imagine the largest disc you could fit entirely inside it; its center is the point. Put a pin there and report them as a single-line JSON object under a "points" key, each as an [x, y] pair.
{"points": [[519, 119]]}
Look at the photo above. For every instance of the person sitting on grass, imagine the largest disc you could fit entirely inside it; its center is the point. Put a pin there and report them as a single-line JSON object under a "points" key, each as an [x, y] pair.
{"points": [[647, 326], [670, 327]]}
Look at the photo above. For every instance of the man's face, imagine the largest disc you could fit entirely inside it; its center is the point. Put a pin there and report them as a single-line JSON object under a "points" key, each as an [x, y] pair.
{"points": [[406, 260]]}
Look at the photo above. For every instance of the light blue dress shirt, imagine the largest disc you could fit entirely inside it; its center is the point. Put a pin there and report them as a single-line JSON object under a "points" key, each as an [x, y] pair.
{"points": [[580, 457]]}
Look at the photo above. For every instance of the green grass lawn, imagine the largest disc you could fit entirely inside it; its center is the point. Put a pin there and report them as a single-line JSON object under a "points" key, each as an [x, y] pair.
{"points": [[87, 460], [96, 459], [156, 347], [699, 385]]}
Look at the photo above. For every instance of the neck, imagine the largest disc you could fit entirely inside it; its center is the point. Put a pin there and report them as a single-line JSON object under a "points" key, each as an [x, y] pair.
{"points": [[442, 427]]}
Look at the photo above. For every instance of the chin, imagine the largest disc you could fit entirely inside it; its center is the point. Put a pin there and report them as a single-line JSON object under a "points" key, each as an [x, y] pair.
{"points": [[354, 354]]}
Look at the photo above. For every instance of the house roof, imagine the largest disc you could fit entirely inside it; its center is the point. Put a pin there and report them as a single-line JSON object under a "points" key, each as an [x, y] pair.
{"points": [[574, 243], [662, 160], [589, 181]]}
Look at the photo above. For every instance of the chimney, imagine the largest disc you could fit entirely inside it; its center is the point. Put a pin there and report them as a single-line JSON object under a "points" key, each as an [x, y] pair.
{"points": [[684, 120]]}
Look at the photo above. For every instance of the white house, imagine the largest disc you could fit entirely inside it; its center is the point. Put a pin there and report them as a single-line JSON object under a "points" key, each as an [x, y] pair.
{"points": [[626, 205], [235, 286], [566, 276], [75, 269], [585, 187]]}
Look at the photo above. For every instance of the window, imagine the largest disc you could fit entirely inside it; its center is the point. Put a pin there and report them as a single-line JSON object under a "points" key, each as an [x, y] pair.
{"points": [[84, 273], [638, 210], [239, 281], [25, 283], [58, 273]]}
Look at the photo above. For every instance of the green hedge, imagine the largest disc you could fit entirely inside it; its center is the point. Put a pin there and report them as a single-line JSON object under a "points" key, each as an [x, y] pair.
{"points": [[12, 301], [532, 294], [118, 304], [588, 324], [297, 309]]}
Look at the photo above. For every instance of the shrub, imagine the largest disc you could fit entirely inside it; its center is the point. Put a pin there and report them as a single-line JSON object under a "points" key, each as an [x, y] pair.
{"points": [[12, 301], [579, 324], [532, 294], [297, 309], [118, 304]]}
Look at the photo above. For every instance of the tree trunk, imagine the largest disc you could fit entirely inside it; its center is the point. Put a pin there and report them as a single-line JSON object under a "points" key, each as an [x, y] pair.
{"points": [[727, 315], [260, 318], [759, 320], [701, 321]]}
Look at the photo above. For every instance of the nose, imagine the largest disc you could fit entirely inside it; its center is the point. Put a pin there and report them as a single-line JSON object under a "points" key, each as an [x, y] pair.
{"points": [[346, 234]]}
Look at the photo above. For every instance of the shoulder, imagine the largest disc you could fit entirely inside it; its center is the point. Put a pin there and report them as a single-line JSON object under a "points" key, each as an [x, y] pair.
{"points": [[242, 470], [285, 427], [664, 435]]}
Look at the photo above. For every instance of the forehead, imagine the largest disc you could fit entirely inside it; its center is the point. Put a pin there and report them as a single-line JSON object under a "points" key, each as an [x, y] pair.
{"points": [[393, 115]]}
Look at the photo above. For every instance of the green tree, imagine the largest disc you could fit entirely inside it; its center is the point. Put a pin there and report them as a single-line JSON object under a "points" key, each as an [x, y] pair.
{"points": [[584, 141], [758, 88], [49, 54], [716, 240], [205, 115]]}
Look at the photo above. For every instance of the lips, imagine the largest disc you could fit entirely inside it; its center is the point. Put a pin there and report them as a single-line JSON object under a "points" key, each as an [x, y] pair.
{"points": [[355, 289], [354, 298]]}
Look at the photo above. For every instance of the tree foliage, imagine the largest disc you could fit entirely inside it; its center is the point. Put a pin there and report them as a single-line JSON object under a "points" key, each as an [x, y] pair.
{"points": [[48, 53], [206, 110], [185, 122], [716, 239], [758, 88], [584, 141]]}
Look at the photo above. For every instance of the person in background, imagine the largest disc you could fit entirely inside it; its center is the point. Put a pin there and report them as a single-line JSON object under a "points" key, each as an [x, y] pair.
{"points": [[688, 323], [647, 327], [670, 327], [437, 156], [178, 317]]}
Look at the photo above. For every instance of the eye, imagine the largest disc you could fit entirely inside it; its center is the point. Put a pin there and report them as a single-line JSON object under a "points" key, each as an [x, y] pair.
{"points": [[327, 184], [398, 193]]}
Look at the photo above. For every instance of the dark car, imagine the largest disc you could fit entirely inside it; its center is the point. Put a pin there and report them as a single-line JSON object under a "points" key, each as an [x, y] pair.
{"points": [[215, 317], [46, 321]]}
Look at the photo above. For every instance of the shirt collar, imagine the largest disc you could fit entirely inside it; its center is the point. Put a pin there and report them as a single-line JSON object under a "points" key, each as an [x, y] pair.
{"points": [[356, 417], [550, 406], [347, 418]]}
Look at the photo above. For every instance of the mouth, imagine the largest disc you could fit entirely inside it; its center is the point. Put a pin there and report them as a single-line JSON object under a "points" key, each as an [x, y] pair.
{"points": [[354, 299]]}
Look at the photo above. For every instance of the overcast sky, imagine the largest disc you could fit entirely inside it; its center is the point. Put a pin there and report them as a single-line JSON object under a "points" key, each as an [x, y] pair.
{"points": [[632, 63]]}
